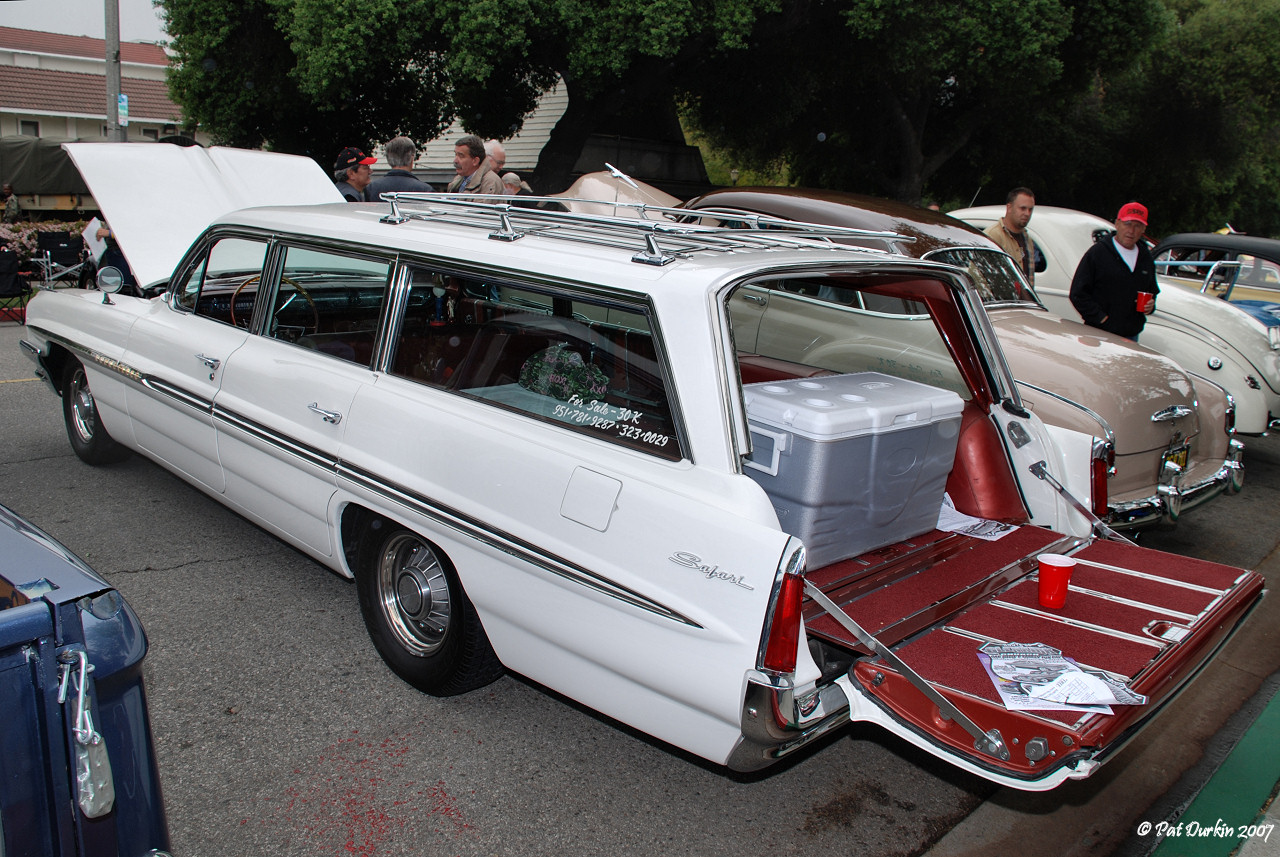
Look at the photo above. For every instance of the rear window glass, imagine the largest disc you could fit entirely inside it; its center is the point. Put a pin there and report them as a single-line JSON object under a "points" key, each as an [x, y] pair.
{"points": [[993, 272], [801, 327]]}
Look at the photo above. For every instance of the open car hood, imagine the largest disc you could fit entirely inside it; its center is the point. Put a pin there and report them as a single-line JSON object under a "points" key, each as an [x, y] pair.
{"points": [[158, 198]]}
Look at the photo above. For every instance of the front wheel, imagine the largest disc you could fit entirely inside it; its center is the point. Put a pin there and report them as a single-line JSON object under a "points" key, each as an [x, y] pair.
{"points": [[422, 623], [88, 436]]}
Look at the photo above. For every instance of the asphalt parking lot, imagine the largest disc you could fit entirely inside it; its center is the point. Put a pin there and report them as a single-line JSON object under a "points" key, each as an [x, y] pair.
{"points": [[279, 731]]}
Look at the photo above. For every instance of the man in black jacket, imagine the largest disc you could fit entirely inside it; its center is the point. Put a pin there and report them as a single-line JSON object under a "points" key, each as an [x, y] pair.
{"points": [[1114, 286], [351, 173], [400, 153]]}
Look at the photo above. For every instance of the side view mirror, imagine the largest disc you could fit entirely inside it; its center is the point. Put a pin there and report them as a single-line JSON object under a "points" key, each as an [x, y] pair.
{"points": [[110, 280]]}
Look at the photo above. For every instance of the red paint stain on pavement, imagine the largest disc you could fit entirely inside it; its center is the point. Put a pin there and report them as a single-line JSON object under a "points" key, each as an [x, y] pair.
{"points": [[359, 796]]}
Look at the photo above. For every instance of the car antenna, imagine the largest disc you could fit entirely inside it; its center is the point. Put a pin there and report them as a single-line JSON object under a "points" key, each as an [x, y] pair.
{"points": [[975, 195]]}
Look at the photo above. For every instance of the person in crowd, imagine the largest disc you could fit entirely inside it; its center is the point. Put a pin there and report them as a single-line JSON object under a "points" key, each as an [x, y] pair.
{"points": [[12, 210], [113, 257], [1114, 286], [513, 185], [352, 174], [474, 173], [496, 154], [1010, 231], [400, 154]]}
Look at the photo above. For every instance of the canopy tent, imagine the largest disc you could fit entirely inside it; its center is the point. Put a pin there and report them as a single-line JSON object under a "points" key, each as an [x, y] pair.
{"points": [[39, 165]]}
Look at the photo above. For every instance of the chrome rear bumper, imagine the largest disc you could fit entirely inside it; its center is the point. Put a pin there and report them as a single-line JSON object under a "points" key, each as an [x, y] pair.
{"points": [[1174, 495], [777, 721]]}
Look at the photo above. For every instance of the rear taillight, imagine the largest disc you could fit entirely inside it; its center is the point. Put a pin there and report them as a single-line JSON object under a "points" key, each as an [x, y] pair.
{"points": [[1104, 459], [782, 638]]}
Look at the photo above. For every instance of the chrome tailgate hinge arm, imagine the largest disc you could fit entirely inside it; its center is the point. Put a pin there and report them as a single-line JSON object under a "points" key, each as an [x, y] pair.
{"points": [[1041, 471], [990, 742]]}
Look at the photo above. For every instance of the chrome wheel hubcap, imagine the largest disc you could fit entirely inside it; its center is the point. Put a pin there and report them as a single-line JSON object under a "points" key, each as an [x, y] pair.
{"points": [[82, 413], [414, 594]]}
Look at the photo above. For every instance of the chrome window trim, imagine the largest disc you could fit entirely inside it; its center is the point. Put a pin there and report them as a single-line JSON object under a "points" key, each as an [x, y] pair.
{"points": [[1108, 432]]}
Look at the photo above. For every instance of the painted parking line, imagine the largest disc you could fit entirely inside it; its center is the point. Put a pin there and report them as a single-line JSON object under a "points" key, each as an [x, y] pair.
{"points": [[1225, 815]]}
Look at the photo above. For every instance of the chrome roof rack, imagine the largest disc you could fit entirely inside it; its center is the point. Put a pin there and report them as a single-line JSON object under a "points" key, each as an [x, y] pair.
{"points": [[666, 233]]}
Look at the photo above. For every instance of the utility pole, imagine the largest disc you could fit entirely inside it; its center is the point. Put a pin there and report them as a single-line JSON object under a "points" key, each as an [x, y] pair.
{"points": [[116, 133]]}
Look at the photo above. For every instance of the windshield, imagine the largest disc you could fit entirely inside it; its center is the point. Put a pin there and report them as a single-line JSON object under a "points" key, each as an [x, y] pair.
{"points": [[994, 274]]}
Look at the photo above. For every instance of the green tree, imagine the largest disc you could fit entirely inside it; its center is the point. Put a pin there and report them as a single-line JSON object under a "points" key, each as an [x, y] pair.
{"points": [[1205, 127], [883, 97], [620, 62], [292, 73], [294, 77]]}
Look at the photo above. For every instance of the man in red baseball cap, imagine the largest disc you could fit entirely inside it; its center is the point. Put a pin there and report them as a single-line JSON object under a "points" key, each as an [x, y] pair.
{"points": [[352, 174], [1114, 287]]}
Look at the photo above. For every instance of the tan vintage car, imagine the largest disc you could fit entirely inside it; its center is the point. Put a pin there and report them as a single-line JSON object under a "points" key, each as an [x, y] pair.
{"points": [[1235, 343], [1170, 434]]}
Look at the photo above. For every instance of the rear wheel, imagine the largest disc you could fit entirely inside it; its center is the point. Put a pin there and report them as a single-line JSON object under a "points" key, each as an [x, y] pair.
{"points": [[88, 436], [422, 623]]}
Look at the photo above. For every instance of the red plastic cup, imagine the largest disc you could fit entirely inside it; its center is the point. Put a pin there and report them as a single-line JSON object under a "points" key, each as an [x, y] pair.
{"points": [[1146, 302], [1055, 574]]}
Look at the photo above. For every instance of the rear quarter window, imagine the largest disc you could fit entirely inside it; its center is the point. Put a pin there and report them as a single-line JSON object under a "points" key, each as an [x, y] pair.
{"points": [[589, 366]]}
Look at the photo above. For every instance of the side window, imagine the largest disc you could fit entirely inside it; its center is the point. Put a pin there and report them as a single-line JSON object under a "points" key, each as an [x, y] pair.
{"points": [[1257, 271], [589, 366], [224, 285], [330, 302]]}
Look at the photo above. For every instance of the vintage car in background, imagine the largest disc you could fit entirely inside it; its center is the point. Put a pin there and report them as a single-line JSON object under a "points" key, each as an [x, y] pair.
{"points": [[78, 770], [1241, 269], [552, 442], [1171, 434], [1206, 336]]}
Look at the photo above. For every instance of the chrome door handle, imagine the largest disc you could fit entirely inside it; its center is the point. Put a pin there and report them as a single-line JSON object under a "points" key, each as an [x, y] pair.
{"points": [[759, 300], [328, 416], [212, 362]]}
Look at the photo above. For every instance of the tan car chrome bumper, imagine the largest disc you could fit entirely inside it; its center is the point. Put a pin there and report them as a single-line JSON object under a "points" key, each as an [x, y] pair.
{"points": [[1174, 495]]}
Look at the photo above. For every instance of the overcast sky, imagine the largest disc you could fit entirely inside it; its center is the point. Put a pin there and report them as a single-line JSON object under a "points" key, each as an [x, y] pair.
{"points": [[139, 20]]}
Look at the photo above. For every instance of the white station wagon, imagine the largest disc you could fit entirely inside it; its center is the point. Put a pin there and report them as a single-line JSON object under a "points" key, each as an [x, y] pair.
{"points": [[534, 441]]}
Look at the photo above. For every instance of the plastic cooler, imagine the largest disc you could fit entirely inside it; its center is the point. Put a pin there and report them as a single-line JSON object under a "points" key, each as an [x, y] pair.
{"points": [[852, 462]]}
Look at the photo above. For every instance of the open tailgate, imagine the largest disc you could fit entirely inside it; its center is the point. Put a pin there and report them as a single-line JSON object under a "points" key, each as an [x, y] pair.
{"points": [[1147, 618]]}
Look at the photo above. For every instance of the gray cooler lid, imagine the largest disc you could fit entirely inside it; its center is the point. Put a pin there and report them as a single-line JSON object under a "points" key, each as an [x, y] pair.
{"points": [[839, 406]]}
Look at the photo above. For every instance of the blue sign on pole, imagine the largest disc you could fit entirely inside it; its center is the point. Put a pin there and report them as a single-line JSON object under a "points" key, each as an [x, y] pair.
{"points": [[122, 110]]}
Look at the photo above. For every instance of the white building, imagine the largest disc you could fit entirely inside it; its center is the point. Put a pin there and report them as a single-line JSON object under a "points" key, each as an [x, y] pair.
{"points": [[53, 85]]}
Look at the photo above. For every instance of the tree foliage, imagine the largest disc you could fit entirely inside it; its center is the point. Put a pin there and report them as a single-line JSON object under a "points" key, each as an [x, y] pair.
{"points": [[313, 75], [891, 93], [304, 77], [1090, 102]]}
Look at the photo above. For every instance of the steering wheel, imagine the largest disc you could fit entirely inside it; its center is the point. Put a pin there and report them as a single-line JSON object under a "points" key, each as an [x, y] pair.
{"points": [[298, 289]]}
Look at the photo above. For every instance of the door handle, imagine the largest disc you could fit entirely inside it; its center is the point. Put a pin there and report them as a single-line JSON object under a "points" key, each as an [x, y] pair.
{"points": [[759, 300], [212, 362], [328, 416]]}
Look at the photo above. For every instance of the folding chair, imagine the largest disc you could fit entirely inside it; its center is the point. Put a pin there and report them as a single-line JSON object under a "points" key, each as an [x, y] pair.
{"points": [[14, 289], [60, 256]]}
